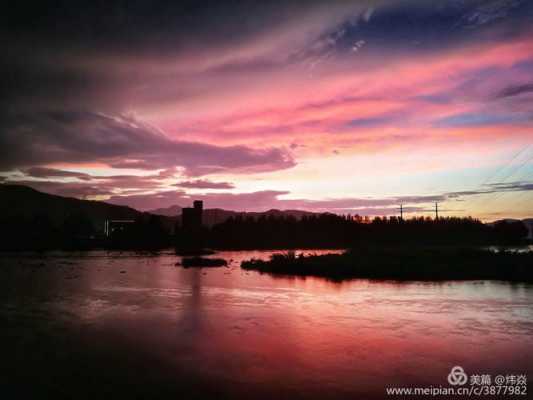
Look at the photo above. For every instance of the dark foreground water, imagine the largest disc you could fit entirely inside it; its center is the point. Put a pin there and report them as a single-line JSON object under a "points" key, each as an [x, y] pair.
{"points": [[125, 325]]}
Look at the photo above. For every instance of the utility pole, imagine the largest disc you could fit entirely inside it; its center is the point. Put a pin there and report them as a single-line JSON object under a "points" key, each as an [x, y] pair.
{"points": [[401, 212], [436, 210]]}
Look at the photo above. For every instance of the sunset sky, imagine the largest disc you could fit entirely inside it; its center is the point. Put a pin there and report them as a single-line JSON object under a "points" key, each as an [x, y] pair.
{"points": [[341, 106]]}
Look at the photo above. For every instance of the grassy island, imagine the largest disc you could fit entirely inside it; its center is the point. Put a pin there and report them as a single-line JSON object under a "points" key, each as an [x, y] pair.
{"points": [[404, 263]]}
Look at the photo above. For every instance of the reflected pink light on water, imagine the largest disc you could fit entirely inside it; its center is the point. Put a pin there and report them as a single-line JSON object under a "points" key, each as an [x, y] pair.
{"points": [[253, 334]]}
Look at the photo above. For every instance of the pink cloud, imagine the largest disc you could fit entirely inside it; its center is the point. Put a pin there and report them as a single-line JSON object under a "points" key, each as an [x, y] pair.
{"points": [[405, 89], [124, 142], [204, 184]]}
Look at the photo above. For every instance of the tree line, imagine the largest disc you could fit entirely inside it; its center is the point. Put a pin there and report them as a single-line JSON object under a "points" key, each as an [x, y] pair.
{"points": [[78, 231], [329, 230]]}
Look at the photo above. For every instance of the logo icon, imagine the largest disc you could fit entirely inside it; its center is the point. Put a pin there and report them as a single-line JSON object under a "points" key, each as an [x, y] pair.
{"points": [[457, 376]]}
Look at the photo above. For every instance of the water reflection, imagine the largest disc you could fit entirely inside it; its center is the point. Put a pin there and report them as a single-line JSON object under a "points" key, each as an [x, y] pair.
{"points": [[517, 249], [135, 318]]}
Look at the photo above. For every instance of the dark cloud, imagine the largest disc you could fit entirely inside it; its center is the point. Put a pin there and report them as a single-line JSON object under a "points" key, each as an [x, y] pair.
{"points": [[60, 50], [510, 187], [98, 185], [122, 142], [78, 190], [173, 24], [41, 172], [204, 184], [515, 90], [102, 49], [166, 26], [114, 56], [94, 188], [421, 26]]}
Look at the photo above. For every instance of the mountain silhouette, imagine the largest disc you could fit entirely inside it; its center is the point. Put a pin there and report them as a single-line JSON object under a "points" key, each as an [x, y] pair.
{"points": [[17, 201], [214, 216]]}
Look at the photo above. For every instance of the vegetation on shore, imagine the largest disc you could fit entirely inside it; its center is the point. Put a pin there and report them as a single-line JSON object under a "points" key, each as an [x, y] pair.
{"points": [[404, 263], [345, 231]]}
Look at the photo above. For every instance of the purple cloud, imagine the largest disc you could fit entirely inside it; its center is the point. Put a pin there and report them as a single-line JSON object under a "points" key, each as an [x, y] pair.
{"points": [[92, 185], [480, 119], [41, 172], [122, 141], [204, 184], [79, 190], [515, 90]]}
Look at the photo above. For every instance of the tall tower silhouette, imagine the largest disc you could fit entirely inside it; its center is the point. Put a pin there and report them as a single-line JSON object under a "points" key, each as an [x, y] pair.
{"points": [[191, 235]]}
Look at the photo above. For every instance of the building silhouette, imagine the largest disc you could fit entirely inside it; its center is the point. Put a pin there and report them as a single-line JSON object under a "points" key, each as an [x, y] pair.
{"points": [[191, 217], [190, 237]]}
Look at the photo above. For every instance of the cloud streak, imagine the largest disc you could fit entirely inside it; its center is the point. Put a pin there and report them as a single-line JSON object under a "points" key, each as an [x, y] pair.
{"points": [[204, 184], [273, 199], [516, 90], [41, 172], [123, 142]]}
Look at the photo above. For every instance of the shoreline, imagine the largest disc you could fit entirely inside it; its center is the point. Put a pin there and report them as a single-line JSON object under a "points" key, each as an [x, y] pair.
{"points": [[403, 264], [215, 250]]}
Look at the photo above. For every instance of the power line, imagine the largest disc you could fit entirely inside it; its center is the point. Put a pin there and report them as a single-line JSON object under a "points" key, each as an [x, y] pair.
{"points": [[516, 155], [497, 194]]}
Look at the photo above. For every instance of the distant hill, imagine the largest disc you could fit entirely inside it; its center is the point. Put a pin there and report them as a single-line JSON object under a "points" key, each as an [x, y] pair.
{"points": [[171, 211], [25, 202], [213, 216], [17, 201]]}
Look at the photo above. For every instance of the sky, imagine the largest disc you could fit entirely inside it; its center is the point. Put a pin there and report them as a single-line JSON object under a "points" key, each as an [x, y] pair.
{"points": [[339, 106]]}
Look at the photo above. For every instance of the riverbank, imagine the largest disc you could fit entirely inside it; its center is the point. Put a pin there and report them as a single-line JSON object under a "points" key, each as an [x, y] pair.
{"points": [[403, 263]]}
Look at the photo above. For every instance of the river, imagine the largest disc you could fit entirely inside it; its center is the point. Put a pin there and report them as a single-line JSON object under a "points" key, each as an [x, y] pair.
{"points": [[122, 324]]}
